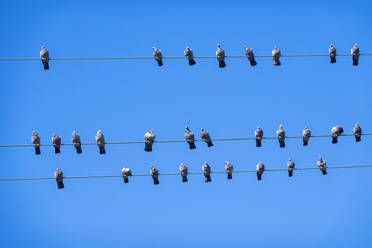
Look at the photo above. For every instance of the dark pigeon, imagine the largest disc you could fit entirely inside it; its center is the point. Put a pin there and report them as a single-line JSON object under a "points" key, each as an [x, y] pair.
{"points": [[44, 56], [249, 54], [357, 132], [56, 140], [58, 174], [229, 169], [155, 175], [207, 172], [332, 53], [125, 173], [190, 56], [306, 134], [220, 53], [149, 140], [290, 166], [322, 165], [204, 135], [355, 54], [276, 56], [183, 171], [281, 136], [100, 139], [258, 133], [260, 167], [35, 139], [336, 131], [75, 138], [158, 56], [190, 138]]}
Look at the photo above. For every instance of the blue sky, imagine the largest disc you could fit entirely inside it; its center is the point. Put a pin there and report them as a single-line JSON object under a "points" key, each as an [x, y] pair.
{"points": [[126, 98]]}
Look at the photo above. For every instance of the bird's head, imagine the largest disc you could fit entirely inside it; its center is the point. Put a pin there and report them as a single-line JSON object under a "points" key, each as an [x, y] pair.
{"points": [[34, 133], [355, 45], [331, 46], [202, 129], [245, 46], [320, 158], [99, 132], [218, 45], [42, 47], [154, 48]]}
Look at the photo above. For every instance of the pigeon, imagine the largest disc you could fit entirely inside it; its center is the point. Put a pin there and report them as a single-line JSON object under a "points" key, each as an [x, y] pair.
{"points": [[190, 138], [58, 174], [125, 172], [44, 56], [155, 175], [357, 132], [149, 140], [355, 54], [36, 142], [220, 53], [100, 139], [281, 136], [332, 53], [157, 56], [207, 172], [290, 166], [276, 55], [259, 134], [259, 170], [189, 55], [229, 169], [76, 141], [183, 171], [56, 140], [336, 131], [306, 134], [249, 54], [322, 165], [204, 135]]}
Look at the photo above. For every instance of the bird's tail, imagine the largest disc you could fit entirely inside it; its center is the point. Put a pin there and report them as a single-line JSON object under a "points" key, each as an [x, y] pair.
{"points": [[259, 176], [208, 178], [126, 180], [324, 172], [209, 143], [57, 149], [281, 143], [222, 64], [229, 175], [102, 150], [358, 138], [160, 63], [156, 181], [60, 185], [184, 179], [253, 62], [78, 150], [37, 150], [334, 139], [306, 141], [192, 62], [333, 60], [276, 62], [290, 173], [258, 143], [46, 65], [148, 147], [192, 145], [355, 62]]}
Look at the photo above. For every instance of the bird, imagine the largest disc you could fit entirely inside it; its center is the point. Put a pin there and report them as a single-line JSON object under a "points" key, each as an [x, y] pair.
{"points": [[258, 133], [336, 131], [58, 174], [355, 54], [149, 140], [190, 56], [125, 172], [276, 56], [44, 56], [220, 53], [35, 139], [204, 135], [290, 166], [155, 174], [190, 138], [306, 134], [249, 54], [75, 138], [281, 136], [332, 53], [322, 165], [207, 172], [357, 132], [183, 171], [56, 140], [157, 56], [229, 169], [260, 167], [100, 139]]}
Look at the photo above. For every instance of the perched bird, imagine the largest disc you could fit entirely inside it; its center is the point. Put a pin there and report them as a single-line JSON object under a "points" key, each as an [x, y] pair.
{"points": [[190, 138], [75, 138], [204, 135], [56, 140], [125, 172], [249, 54], [158, 56], [44, 56], [149, 140], [229, 169], [155, 175], [58, 174], [336, 131], [290, 166], [100, 139], [183, 171], [281, 136], [207, 172], [306, 134], [355, 54], [35, 139], [259, 170], [357, 132], [259, 134], [189, 55], [276, 56], [322, 165], [220, 53], [332, 53]]}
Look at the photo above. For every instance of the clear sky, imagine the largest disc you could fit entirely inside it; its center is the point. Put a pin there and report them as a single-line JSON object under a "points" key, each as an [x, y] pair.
{"points": [[126, 98]]}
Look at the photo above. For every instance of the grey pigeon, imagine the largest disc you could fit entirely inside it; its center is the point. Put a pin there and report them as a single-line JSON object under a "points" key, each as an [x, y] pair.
{"points": [[190, 138], [149, 140], [157, 56], [58, 174], [207, 172], [276, 56], [357, 132], [183, 171], [100, 139], [322, 165], [260, 167], [332, 53], [155, 174], [281, 136], [220, 53], [56, 140], [125, 172], [355, 54], [258, 133], [249, 54], [75, 138], [204, 135], [44, 56], [35, 139], [336, 131], [306, 134], [290, 166], [189, 55], [229, 169]]}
